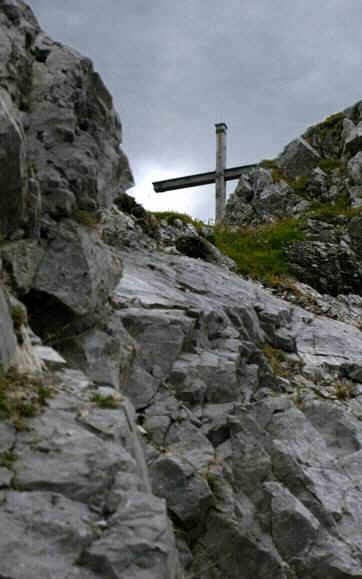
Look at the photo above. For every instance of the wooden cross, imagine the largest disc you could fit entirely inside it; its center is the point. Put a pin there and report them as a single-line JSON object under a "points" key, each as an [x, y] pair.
{"points": [[219, 177]]}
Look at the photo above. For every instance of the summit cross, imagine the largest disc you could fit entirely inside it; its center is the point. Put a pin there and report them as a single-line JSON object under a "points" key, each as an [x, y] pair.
{"points": [[219, 177]]}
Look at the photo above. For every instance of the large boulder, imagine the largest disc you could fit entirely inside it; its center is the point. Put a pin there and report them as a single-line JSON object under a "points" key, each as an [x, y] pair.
{"points": [[298, 158], [78, 269]]}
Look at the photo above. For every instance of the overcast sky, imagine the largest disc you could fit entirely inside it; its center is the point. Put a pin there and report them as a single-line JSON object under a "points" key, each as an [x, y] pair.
{"points": [[267, 68]]}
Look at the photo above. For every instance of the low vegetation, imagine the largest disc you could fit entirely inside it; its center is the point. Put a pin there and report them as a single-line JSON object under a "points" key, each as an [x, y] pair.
{"points": [[328, 165], [106, 402], [172, 216], [332, 212], [84, 217], [21, 396], [19, 319], [7, 458], [344, 391], [258, 251], [277, 360], [330, 125], [331, 120]]}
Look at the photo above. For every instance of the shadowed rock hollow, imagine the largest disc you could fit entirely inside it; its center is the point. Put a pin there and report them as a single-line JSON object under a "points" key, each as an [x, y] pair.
{"points": [[195, 425]]}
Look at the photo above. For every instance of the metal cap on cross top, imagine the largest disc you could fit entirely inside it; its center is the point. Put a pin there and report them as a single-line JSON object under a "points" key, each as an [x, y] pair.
{"points": [[219, 177]]}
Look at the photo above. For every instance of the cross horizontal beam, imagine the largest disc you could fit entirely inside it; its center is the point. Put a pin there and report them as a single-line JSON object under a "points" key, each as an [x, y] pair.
{"points": [[199, 179]]}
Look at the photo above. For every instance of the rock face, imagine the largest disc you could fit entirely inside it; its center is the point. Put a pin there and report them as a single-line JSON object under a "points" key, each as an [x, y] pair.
{"points": [[7, 336], [58, 126], [197, 425], [316, 182]]}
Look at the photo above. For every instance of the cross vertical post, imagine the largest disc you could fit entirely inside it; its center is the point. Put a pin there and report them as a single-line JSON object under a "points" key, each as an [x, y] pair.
{"points": [[220, 189]]}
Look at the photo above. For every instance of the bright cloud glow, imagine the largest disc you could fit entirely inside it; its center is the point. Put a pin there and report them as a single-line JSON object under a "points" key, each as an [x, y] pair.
{"points": [[196, 201]]}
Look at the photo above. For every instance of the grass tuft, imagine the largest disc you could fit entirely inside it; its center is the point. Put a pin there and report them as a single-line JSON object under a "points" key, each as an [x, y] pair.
{"points": [[7, 458], [21, 396], [330, 164], [85, 218], [105, 402], [343, 391], [258, 251], [19, 319]]}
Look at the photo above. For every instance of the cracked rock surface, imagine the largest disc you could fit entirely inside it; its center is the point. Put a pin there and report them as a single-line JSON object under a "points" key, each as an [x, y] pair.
{"points": [[160, 416]]}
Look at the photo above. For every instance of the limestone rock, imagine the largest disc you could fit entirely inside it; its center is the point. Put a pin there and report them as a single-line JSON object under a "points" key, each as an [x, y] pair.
{"points": [[188, 495], [133, 546], [12, 151], [7, 336], [34, 520], [354, 169], [353, 137], [72, 131], [78, 269], [268, 201], [247, 428], [21, 260], [329, 267], [298, 158]]}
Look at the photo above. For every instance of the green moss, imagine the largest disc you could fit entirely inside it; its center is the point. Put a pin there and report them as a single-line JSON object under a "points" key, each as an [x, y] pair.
{"points": [[85, 218], [105, 402], [258, 251]]}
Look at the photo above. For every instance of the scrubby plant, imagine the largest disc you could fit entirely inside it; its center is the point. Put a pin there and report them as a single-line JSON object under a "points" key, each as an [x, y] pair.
{"points": [[280, 363], [300, 183], [343, 391], [106, 402], [276, 359], [19, 319], [21, 396], [278, 175], [329, 212], [297, 397], [84, 217], [7, 458], [328, 165]]}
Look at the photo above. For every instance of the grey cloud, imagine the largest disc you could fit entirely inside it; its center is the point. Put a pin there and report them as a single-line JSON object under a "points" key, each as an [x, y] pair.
{"points": [[268, 69]]}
